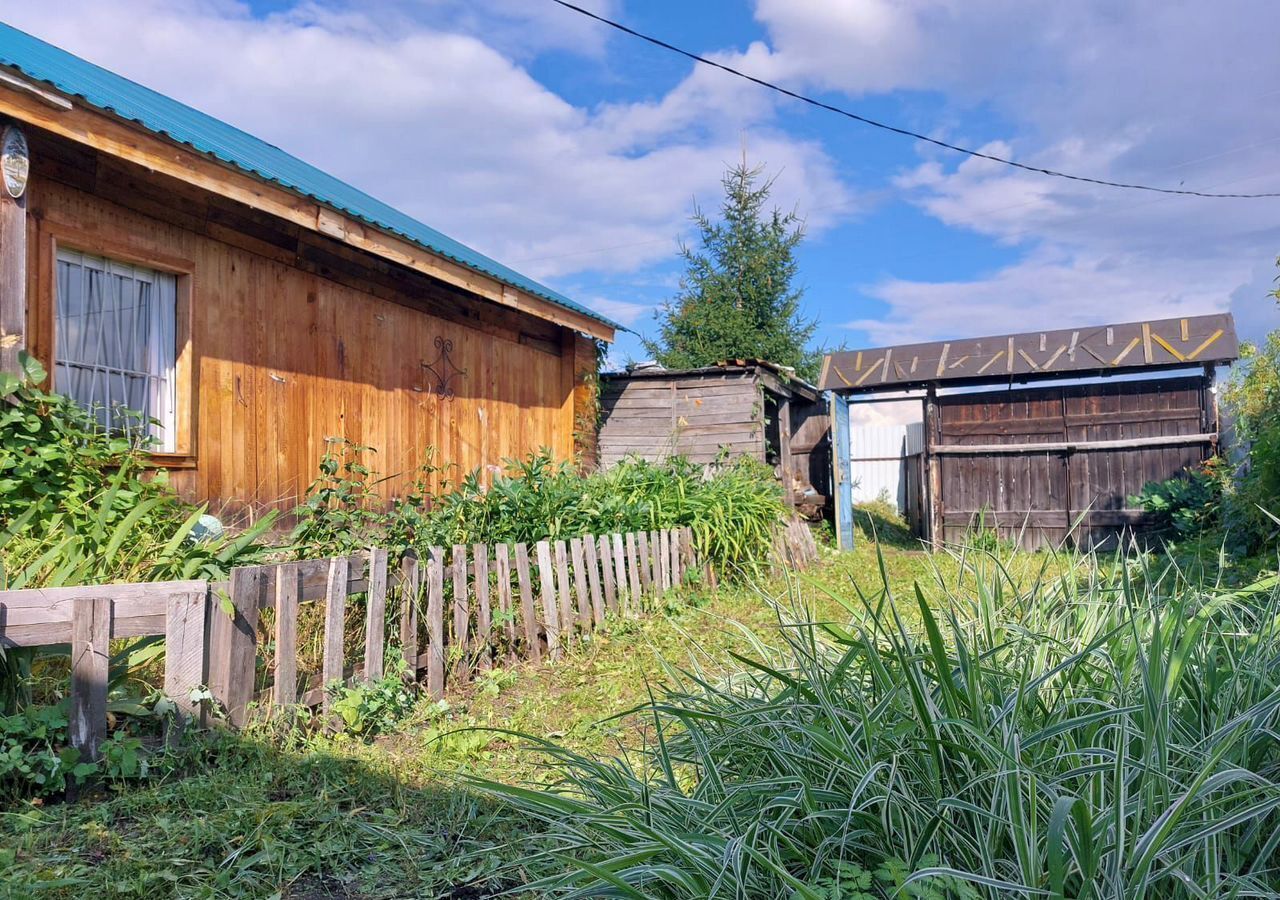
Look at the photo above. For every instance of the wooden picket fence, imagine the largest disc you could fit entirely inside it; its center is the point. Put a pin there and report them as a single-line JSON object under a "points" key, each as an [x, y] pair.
{"points": [[453, 613]]}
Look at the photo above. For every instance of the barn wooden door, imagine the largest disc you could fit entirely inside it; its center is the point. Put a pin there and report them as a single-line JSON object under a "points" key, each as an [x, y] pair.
{"points": [[1044, 466]]}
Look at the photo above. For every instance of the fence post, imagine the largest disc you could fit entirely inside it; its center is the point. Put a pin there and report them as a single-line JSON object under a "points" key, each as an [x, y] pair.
{"points": [[580, 584], [620, 571], [606, 572], [375, 623], [564, 595], [461, 614], [335, 610], [502, 567], [90, 654], [233, 639], [638, 548], [286, 686], [484, 613], [527, 613], [634, 569], [410, 589], [547, 582], [184, 657], [435, 624], [593, 579]]}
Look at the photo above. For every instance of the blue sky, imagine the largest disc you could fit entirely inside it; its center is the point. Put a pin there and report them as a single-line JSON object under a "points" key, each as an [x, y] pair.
{"points": [[575, 153]]}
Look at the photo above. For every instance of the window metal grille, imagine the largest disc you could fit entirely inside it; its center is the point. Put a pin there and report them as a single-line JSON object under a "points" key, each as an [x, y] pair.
{"points": [[116, 345]]}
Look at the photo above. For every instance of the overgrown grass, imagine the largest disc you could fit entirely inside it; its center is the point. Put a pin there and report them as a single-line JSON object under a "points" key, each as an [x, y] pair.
{"points": [[1106, 731]]}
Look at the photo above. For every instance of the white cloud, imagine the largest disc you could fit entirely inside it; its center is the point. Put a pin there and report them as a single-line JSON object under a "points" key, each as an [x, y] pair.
{"points": [[419, 105], [1162, 93]]}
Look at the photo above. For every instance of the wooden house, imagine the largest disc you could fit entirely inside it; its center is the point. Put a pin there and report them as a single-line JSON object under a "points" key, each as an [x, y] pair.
{"points": [[743, 408], [253, 306]]}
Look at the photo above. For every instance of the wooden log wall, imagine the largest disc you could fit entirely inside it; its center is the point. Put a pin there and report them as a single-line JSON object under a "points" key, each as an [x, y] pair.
{"points": [[292, 338]]}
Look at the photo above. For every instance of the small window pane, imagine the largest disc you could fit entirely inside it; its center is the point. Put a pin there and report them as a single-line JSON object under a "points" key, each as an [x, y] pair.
{"points": [[116, 347]]}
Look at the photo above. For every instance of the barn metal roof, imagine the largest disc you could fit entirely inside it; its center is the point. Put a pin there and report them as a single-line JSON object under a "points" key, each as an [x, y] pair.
{"points": [[1036, 355], [165, 116]]}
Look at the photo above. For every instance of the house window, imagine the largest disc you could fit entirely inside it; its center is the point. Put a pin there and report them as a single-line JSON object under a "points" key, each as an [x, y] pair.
{"points": [[116, 344]]}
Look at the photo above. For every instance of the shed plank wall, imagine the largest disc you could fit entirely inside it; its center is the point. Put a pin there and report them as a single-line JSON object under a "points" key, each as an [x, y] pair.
{"points": [[690, 416], [296, 340]]}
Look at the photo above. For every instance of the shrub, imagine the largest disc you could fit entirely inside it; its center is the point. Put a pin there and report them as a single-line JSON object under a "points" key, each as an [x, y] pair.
{"points": [[1109, 733], [1188, 504], [1253, 399]]}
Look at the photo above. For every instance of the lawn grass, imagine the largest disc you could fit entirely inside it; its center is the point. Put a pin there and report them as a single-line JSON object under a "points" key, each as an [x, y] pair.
{"points": [[269, 812]]}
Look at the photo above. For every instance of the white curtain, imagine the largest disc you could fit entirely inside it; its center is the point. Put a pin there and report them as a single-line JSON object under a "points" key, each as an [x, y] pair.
{"points": [[116, 344]]}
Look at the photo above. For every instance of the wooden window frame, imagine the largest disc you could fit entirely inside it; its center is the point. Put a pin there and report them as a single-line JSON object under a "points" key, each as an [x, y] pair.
{"points": [[186, 411]]}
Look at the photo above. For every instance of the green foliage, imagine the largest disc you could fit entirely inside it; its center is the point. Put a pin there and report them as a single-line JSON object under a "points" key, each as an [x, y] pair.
{"points": [[1106, 731], [732, 510], [78, 505], [342, 511], [368, 708], [1252, 398], [736, 298], [1185, 505]]}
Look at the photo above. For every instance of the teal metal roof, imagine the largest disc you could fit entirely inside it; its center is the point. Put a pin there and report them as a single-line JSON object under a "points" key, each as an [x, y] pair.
{"points": [[163, 115]]}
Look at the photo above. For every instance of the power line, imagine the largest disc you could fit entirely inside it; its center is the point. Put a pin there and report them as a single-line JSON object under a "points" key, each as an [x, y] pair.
{"points": [[977, 154]]}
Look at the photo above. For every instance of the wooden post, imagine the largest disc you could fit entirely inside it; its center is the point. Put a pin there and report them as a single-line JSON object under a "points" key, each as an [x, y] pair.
{"points": [[547, 581], [589, 544], [233, 643], [655, 561], [435, 624], [564, 594], [620, 569], [410, 591], [484, 615], [90, 654], [606, 571], [13, 273], [784, 452], [502, 563], [184, 658], [580, 584], [375, 623], [641, 542], [664, 558], [527, 612], [335, 614], [461, 614], [286, 676], [634, 568], [933, 468]]}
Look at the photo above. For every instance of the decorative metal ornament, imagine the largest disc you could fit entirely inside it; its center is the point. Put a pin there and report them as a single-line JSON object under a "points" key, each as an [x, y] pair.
{"points": [[15, 161], [440, 369]]}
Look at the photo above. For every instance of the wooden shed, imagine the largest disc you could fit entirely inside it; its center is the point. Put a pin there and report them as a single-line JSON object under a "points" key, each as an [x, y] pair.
{"points": [[743, 408], [1049, 464], [253, 306]]}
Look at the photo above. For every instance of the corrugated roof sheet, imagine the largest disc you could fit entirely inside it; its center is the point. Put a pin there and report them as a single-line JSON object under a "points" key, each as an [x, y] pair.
{"points": [[154, 111]]}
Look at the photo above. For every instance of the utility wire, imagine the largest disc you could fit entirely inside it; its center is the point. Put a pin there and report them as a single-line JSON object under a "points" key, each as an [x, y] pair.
{"points": [[977, 154]]}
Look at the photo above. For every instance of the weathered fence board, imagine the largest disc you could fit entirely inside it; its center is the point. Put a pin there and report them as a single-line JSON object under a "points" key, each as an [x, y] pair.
{"points": [[90, 655], [593, 579], [550, 607], [334, 618], [435, 624], [212, 630], [461, 614], [484, 616], [286, 674], [527, 612]]}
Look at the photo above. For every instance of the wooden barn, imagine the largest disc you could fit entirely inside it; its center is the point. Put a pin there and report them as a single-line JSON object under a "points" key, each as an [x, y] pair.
{"points": [[1045, 464], [744, 408], [158, 259]]}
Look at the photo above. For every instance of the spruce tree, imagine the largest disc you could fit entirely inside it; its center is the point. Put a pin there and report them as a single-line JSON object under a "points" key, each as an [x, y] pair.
{"points": [[736, 297]]}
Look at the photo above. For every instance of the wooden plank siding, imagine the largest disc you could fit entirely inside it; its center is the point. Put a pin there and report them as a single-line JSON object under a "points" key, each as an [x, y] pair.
{"points": [[295, 337], [1037, 495], [691, 416]]}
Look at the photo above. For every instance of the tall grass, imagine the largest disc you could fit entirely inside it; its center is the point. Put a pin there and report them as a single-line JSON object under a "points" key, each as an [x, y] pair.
{"points": [[1108, 732]]}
